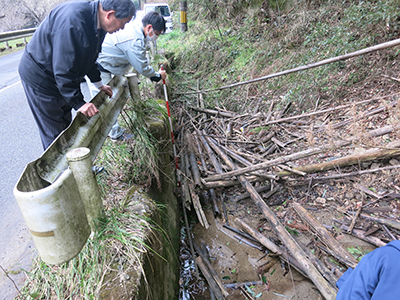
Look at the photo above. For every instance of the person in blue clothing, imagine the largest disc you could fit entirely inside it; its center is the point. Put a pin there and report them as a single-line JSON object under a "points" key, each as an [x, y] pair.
{"points": [[62, 51], [376, 277]]}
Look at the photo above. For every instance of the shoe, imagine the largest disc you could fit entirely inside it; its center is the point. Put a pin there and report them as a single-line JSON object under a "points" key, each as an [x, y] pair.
{"points": [[96, 169], [125, 136]]}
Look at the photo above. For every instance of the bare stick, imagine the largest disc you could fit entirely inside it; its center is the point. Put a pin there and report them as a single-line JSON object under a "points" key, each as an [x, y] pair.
{"points": [[353, 222], [383, 221], [211, 270], [8, 276], [211, 281]]}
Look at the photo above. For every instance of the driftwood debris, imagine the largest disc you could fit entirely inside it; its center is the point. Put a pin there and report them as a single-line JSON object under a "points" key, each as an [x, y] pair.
{"points": [[392, 150], [328, 291], [212, 276], [325, 236], [309, 164]]}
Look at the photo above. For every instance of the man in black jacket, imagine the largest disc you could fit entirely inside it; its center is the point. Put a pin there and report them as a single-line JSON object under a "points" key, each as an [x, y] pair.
{"points": [[62, 51]]}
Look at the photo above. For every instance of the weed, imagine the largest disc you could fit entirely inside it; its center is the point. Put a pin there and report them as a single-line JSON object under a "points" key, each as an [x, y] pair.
{"points": [[120, 238], [358, 252]]}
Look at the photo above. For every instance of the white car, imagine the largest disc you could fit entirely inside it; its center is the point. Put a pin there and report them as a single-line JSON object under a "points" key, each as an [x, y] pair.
{"points": [[163, 9]]}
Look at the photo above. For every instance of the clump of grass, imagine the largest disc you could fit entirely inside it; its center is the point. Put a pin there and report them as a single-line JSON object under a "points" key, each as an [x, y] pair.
{"points": [[114, 251], [134, 160]]}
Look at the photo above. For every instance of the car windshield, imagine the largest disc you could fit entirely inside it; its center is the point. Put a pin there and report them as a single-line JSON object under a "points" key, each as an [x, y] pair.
{"points": [[163, 10]]}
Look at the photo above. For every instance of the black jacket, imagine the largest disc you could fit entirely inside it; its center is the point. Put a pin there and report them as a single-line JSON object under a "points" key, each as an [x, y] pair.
{"points": [[63, 50]]}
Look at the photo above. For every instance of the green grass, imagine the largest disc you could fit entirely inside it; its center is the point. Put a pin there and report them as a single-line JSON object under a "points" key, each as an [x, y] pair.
{"points": [[253, 47], [114, 251], [13, 45]]}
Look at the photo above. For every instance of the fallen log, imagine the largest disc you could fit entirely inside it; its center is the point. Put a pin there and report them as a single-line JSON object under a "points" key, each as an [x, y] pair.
{"points": [[226, 183], [244, 234], [357, 118], [195, 169], [214, 112], [197, 206], [203, 162], [212, 272], [191, 242], [214, 202], [309, 66], [362, 236], [322, 111], [325, 236], [210, 153], [277, 161], [185, 188], [281, 160], [272, 247], [383, 221], [211, 282], [247, 195], [323, 286], [342, 175], [319, 265], [354, 159]]}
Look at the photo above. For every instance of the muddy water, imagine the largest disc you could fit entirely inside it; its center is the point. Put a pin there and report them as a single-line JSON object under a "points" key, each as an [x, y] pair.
{"points": [[237, 262]]}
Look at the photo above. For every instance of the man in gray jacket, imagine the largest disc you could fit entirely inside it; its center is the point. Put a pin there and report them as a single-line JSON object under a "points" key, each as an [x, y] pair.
{"points": [[126, 48]]}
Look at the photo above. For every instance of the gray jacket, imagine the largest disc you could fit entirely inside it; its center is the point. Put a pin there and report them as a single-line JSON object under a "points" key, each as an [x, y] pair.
{"points": [[124, 48]]}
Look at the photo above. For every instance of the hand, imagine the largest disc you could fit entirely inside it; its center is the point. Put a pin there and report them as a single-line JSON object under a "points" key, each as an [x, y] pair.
{"points": [[106, 89], [163, 74], [88, 109]]}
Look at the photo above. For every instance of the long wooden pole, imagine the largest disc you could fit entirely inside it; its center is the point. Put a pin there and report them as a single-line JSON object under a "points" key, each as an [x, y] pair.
{"points": [[325, 236], [306, 67]]}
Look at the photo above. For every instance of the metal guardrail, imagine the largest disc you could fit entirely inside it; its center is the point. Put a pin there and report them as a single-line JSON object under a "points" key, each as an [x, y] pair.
{"points": [[48, 194], [16, 34]]}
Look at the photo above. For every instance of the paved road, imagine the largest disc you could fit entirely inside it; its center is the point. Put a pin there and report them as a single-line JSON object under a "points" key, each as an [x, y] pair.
{"points": [[19, 144]]}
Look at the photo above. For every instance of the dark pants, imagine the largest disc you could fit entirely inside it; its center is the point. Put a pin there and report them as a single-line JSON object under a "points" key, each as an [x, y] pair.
{"points": [[52, 114]]}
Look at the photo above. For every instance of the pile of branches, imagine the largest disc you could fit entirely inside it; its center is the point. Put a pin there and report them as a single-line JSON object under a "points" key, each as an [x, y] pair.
{"points": [[265, 153]]}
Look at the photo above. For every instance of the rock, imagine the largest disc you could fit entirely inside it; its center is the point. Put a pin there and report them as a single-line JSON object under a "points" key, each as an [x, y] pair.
{"points": [[358, 150], [365, 165], [375, 166], [394, 162]]}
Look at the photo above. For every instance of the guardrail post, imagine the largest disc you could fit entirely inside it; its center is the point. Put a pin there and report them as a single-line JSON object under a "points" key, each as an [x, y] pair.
{"points": [[80, 163], [133, 84]]}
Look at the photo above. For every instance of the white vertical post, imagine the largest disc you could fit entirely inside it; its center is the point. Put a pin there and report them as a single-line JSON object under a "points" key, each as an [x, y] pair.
{"points": [[80, 163]]}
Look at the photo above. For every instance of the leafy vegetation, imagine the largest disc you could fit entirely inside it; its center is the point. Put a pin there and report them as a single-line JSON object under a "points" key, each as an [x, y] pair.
{"points": [[114, 249], [238, 41]]}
